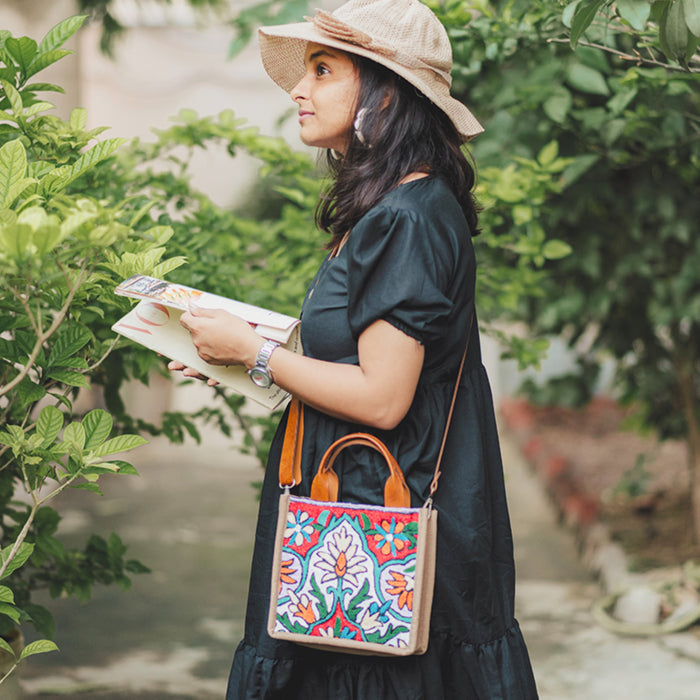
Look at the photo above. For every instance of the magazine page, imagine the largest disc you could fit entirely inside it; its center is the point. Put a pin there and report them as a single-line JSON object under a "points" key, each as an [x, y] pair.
{"points": [[157, 327], [269, 324]]}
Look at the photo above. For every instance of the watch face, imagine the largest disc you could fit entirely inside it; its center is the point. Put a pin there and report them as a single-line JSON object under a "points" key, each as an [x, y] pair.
{"points": [[260, 377]]}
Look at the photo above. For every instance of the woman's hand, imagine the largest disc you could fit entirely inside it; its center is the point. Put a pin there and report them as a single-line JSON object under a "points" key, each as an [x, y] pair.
{"points": [[176, 366], [221, 338]]}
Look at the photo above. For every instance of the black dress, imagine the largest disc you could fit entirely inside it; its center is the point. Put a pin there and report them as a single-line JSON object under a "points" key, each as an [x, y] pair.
{"points": [[409, 261]]}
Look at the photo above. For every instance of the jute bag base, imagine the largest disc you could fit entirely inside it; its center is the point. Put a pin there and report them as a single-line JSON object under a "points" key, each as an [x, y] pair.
{"points": [[332, 598], [352, 577]]}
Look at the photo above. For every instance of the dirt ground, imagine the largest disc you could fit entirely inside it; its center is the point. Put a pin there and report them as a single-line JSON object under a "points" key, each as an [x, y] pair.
{"points": [[637, 485]]}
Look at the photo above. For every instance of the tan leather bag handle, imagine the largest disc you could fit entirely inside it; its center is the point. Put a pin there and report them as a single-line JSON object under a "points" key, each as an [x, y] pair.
{"points": [[325, 484]]}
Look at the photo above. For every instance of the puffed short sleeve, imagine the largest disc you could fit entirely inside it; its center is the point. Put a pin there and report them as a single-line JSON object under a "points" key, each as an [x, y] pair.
{"points": [[402, 265]]}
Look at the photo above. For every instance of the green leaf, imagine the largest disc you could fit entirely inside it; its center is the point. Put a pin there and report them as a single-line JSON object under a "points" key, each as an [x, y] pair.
{"points": [[23, 50], [555, 249], [124, 467], [548, 154], [585, 79], [13, 167], [7, 648], [38, 107], [75, 434], [68, 377], [98, 426], [583, 17], [40, 646], [41, 618], [635, 12], [558, 106], [43, 87], [10, 610], [6, 595], [691, 10], [23, 553], [673, 31], [58, 35], [71, 340], [86, 486], [63, 176], [44, 60], [121, 443], [49, 424], [13, 96], [78, 119]]}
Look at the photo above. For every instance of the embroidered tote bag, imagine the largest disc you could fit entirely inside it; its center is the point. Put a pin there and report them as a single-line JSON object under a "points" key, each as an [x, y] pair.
{"points": [[349, 577]]}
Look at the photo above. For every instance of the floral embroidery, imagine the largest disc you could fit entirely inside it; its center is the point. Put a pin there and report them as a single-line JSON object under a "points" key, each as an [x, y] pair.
{"points": [[285, 572], [403, 588], [374, 616], [304, 608], [340, 561], [298, 530], [390, 538], [348, 574]]}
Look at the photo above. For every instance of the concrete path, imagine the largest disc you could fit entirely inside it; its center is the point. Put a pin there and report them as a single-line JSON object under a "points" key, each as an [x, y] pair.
{"points": [[190, 517]]}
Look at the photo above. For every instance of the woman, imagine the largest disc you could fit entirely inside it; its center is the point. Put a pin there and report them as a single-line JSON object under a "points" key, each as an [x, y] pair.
{"points": [[384, 326]]}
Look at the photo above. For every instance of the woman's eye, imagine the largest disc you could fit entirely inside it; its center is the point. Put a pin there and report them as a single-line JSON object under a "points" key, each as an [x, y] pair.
{"points": [[321, 69]]}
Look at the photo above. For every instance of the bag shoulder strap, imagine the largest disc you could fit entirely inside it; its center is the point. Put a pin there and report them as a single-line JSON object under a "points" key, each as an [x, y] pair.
{"points": [[437, 472]]}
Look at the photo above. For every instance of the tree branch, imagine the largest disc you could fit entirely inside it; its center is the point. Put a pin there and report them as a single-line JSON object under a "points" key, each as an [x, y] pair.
{"points": [[638, 59]]}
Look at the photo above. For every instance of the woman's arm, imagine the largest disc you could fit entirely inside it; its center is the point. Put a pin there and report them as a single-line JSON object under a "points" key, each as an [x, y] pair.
{"points": [[378, 392]]}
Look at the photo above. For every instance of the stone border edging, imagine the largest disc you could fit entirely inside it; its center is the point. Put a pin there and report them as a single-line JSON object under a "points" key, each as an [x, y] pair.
{"points": [[575, 508]]}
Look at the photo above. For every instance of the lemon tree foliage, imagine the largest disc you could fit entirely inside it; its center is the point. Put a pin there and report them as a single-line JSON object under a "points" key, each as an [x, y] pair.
{"points": [[54, 241]]}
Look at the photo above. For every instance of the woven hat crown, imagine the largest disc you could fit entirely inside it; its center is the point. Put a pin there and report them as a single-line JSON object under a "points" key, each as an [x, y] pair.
{"points": [[404, 30], [402, 35]]}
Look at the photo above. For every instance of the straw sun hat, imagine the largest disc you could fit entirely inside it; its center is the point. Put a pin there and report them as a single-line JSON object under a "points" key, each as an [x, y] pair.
{"points": [[403, 35]]}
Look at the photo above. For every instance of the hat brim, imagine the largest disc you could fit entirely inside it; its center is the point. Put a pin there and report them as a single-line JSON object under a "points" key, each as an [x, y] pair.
{"points": [[282, 49]]}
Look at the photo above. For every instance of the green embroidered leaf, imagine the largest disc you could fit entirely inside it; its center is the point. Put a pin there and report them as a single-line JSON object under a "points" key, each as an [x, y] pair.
{"points": [[354, 604], [316, 592]]}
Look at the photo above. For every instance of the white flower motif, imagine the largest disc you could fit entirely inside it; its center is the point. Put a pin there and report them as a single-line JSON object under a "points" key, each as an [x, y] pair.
{"points": [[296, 530], [370, 621], [340, 560]]}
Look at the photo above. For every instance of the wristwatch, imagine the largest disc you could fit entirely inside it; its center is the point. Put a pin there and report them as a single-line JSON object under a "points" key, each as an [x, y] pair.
{"points": [[260, 372]]}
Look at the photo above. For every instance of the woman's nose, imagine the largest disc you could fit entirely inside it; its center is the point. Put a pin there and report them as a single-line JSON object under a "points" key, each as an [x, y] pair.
{"points": [[298, 92]]}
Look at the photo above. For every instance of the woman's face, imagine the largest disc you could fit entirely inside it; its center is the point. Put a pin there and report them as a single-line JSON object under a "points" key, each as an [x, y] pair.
{"points": [[327, 95]]}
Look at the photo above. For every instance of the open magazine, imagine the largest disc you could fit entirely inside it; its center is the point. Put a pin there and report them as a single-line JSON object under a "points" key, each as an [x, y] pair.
{"points": [[155, 323]]}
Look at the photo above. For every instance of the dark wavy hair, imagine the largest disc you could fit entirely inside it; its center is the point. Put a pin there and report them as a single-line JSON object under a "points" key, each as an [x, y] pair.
{"points": [[404, 133]]}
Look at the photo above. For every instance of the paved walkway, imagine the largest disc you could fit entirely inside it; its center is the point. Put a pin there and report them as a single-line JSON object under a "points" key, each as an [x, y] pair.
{"points": [[190, 517]]}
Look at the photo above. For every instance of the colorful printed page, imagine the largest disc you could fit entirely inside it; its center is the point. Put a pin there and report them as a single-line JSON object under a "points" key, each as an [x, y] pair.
{"points": [[155, 323], [269, 324]]}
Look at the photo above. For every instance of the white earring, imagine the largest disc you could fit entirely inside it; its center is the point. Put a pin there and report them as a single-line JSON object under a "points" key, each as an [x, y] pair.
{"points": [[358, 125]]}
